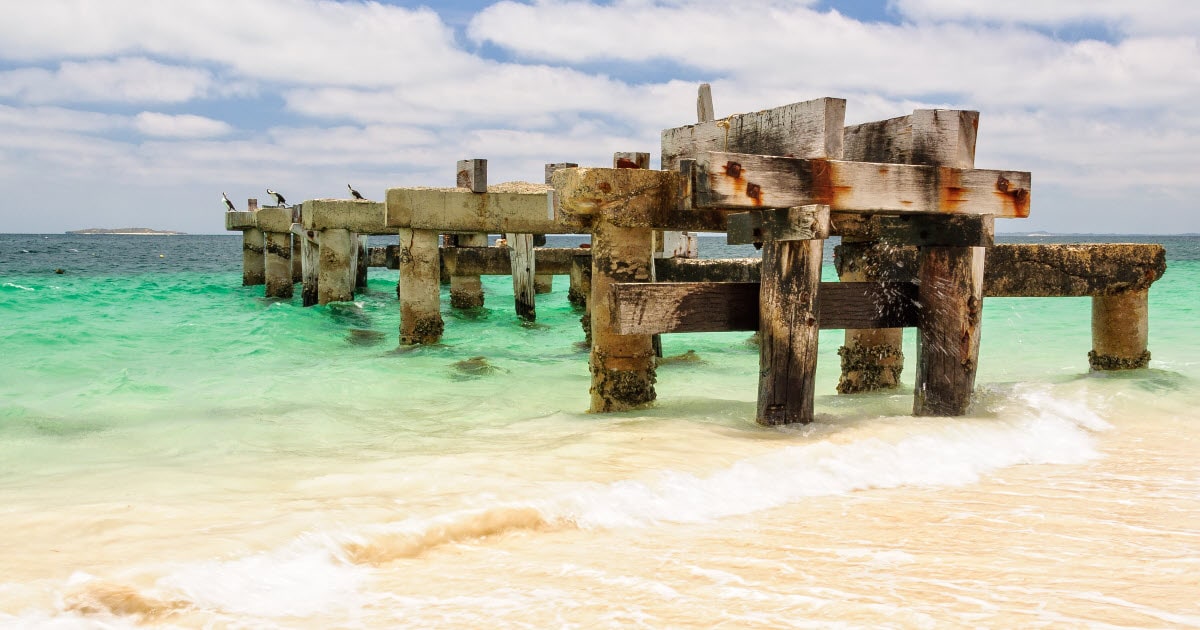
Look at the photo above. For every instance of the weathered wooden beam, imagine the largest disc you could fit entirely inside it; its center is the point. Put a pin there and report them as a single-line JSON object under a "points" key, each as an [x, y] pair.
{"points": [[629, 198], [676, 307], [731, 180], [516, 207], [800, 223], [809, 129], [707, 269], [958, 230], [496, 261], [927, 136], [704, 104]]}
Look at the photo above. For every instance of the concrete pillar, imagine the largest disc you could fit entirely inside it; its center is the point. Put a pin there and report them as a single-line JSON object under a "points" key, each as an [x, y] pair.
{"points": [[419, 288], [1120, 331], [622, 366], [467, 291], [253, 263], [335, 281], [278, 265], [872, 359]]}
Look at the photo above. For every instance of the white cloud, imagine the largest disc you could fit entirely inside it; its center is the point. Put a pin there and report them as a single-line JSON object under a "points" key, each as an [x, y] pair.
{"points": [[1171, 17], [179, 125], [135, 80]]}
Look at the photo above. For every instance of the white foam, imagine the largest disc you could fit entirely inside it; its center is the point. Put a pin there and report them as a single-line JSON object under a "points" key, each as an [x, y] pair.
{"points": [[17, 286]]}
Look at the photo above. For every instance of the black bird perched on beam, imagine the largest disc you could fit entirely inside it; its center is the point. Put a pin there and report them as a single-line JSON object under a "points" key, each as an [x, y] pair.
{"points": [[228, 203], [354, 193], [279, 200]]}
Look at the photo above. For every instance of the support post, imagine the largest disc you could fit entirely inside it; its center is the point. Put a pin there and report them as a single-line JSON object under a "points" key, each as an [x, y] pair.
{"points": [[581, 288], [419, 288], [310, 252], [1120, 331], [297, 259], [361, 262], [950, 292], [521, 257], [622, 366], [278, 264], [872, 359], [789, 302], [336, 272], [467, 291], [253, 263], [641, 160]]}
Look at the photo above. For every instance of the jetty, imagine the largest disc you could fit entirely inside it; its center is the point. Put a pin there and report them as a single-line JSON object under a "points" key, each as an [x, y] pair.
{"points": [[917, 250]]}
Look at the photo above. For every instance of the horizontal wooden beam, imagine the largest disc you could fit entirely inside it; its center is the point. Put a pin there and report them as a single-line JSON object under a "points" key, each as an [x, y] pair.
{"points": [[628, 197], [496, 261], [674, 307], [707, 269], [732, 181], [927, 136], [950, 230], [514, 207], [802, 223], [808, 129]]}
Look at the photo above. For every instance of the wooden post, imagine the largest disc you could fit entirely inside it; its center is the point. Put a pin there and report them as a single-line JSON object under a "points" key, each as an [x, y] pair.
{"points": [[949, 280], [950, 294], [278, 265], [581, 280], [622, 365], [1120, 331], [704, 104], [788, 322], [467, 291], [521, 257], [336, 272], [361, 262], [419, 288], [297, 259], [310, 251]]}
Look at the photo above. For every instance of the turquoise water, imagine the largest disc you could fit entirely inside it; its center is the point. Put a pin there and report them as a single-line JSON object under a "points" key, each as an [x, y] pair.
{"points": [[145, 397]]}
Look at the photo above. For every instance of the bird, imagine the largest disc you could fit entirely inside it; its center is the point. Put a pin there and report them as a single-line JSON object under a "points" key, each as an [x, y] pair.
{"points": [[228, 203], [354, 193], [279, 200]]}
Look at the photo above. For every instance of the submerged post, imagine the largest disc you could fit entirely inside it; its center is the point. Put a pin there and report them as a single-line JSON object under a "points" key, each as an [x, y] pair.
{"points": [[1120, 331], [419, 288], [336, 272]]}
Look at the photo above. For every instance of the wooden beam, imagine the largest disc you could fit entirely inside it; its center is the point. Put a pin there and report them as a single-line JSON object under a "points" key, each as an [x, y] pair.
{"points": [[497, 261], [704, 104], [801, 223], [789, 304], [962, 230], [676, 307], [730, 180], [808, 129], [472, 175], [928, 136]]}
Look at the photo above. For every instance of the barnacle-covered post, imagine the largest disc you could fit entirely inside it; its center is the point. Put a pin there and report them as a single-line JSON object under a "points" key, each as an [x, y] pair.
{"points": [[616, 206], [276, 224], [253, 265]]}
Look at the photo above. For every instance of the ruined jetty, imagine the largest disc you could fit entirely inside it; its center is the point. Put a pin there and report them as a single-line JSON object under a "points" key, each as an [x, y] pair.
{"points": [[915, 218]]}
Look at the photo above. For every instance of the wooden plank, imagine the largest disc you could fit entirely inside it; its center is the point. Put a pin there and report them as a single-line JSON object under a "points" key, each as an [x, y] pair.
{"points": [[963, 230], [510, 207], [707, 269], [729, 180], [496, 261], [808, 129], [676, 307], [801, 223], [929, 136], [629, 198]]}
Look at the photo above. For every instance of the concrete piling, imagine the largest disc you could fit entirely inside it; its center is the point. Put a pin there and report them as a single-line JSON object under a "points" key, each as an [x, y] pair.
{"points": [[335, 281], [1120, 331], [419, 288]]}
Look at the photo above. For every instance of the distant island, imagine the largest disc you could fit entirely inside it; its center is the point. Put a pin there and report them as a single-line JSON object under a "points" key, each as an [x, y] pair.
{"points": [[131, 230]]}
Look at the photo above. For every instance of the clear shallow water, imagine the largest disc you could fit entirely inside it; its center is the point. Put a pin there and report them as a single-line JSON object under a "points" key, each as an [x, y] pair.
{"points": [[176, 450]]}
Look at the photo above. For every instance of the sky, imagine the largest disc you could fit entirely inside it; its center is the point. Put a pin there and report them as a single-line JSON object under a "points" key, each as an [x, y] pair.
{"points": [[127, 113]]}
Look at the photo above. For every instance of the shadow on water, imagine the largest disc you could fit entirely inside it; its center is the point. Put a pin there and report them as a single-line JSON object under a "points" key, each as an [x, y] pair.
{"points": [[349, 315], [1150, 380], [365, 337], [479, 314]]}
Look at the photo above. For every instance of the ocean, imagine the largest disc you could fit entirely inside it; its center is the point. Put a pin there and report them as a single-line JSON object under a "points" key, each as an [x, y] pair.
{"points": [[178, 451]]}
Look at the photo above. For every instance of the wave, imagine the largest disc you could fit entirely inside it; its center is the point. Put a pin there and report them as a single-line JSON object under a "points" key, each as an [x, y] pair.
{"points": [[323, 571]]}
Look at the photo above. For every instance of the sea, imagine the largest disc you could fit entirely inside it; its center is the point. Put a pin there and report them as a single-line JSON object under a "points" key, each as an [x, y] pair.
{"points": [[177, 451]]}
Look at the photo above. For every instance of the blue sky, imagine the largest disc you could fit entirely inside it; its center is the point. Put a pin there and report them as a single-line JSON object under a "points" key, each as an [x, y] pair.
{"points": [[128, 113]]}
